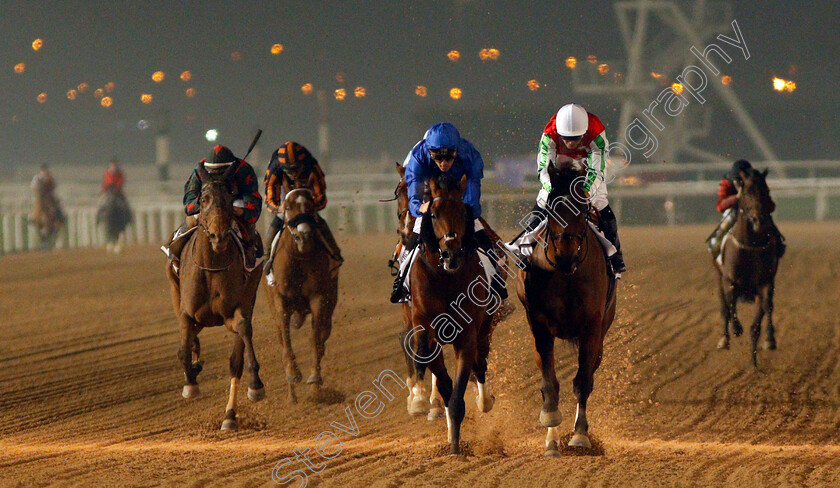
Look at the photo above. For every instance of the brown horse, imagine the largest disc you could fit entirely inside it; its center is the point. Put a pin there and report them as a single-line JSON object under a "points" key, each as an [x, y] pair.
{"points": [[213, 288], [748, 262], [568, 293], [46, 215], [306, 283], [451, 300]]}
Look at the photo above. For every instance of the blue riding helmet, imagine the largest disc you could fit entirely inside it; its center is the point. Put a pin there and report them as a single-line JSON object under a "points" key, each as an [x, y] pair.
{"points": [[443, 136]]}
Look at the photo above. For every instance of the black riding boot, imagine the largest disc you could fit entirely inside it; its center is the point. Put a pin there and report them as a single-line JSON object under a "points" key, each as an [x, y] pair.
{"points": [[398, 292], [273, 229], [253, 246], [609, 226], [498, 286]]}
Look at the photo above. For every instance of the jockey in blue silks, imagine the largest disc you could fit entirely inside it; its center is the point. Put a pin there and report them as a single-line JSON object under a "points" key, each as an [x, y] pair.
{"points": [[443, 151]]}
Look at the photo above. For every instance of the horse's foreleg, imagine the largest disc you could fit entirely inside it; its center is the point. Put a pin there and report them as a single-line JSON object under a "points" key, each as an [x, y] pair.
{"points": [[237, 364], [465, 358], [755, 328], [242, 326], [321, 329], [544, 356], [770, 342], [485, 399], [293, 374], [420, 396], [436, 409], [185, 354], [444, 385], [589, 358]]}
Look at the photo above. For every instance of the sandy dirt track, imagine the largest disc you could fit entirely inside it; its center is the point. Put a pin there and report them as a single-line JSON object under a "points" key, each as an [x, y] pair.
{"points": [[91, 382]]}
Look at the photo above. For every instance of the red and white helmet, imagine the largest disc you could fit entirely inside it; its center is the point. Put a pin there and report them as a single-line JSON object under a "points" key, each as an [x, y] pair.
{"points": [[572, 120]]}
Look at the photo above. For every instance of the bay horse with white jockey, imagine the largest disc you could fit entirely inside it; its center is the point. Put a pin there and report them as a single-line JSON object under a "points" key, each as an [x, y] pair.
{"points": [[213, 288], [748, 261], [451, 300], [569, 294], [306, 282]]}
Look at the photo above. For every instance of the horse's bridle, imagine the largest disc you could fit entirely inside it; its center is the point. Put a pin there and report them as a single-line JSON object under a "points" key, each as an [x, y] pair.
{"points": [[449, 235], [569, 236]]}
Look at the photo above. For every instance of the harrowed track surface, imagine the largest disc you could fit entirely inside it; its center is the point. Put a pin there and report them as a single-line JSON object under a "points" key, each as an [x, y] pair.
{"points": [[91, 383]]}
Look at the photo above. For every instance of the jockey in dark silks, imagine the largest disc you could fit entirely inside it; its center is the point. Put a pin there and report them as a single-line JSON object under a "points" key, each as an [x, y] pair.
{"points": [[247, 204], [443, 151], [292, 166], [726, 204]]}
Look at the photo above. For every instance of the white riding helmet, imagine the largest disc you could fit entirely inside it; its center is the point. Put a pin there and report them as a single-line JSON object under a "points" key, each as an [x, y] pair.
{"points": [[572, 120]]}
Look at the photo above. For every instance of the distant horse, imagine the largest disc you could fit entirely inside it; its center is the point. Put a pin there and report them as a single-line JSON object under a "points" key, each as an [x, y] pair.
{"points": [[114, 215], [748, 262], [568, 293], [46, 215], [446, 275], [306, 284], [213, 288]]}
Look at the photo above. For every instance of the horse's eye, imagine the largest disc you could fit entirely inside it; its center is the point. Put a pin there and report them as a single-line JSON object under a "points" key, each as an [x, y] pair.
{"points": [[433, 216]]}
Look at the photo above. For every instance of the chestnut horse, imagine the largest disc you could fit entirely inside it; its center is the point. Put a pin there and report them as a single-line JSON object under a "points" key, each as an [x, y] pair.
{"points": [[451, 300], [748, 262], [569, 294], [305, 283], [213, 288], [46, 215]]}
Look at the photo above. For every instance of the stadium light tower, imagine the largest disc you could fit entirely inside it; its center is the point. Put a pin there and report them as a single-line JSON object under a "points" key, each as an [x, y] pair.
{"points": [[658, 36]]}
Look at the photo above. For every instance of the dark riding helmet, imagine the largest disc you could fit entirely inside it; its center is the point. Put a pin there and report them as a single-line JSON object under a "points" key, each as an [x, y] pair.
{"points": [[219, 159], [737, 167], [443, 136], [291, 157]]}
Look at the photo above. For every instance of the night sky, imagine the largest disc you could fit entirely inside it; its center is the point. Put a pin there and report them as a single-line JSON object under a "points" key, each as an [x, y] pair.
{"points": [[386, 47]]}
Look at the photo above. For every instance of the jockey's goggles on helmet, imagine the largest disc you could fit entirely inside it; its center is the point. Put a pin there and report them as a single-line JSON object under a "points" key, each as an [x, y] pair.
{"points": [[571, 138], [439, 155], [291, 168]]}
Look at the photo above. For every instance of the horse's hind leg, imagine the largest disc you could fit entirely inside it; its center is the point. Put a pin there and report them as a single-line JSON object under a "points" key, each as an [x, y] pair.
{"points": [[237, 365], [767, 303], [755, 329], [242, 326], [589, 358], [485, 399], [728, 310], [185, 354]]}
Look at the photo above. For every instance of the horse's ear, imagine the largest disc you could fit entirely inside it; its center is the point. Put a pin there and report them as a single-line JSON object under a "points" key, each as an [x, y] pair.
{"points": [[433, 185], [764, 173], [463, 184], [553, 174], [202, 173], [230, 171], [400, 170]]}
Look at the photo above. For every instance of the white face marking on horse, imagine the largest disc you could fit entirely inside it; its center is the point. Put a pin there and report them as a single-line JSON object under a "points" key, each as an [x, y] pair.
{"points": [[303, 228], [300, 200]]}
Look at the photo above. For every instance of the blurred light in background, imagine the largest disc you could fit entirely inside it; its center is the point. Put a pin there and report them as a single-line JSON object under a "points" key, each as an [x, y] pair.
{"points": [[491, 54], [83, 87], [533, 85], [677, 87], [603, 69], [211, 135], [186, 76], [494, 53], [340, 94], [656, 75], [106, 102], [158, 76], [306, 89], [143, 125], [360, 92], [37, 44], [339, 77], [277, 49], [783, 85], [42, 97], [99, 93], [420, 91], [146, 98], [453, 56], [190, 92], [726, 80], [455, 93], [236, 56], [109, 87], [592, 59], [71, 94], [20, 68], [571, 62]]}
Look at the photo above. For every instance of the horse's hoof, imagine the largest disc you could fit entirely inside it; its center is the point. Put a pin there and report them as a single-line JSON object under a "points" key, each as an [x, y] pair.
{"points": [[737, 329], [550, 419], [419, 406], [297, 319], [552, 450], [314, 380], [256, 395], [487, 404], [294, 378], [190, 391], [230, 424], [408, 401], [769, 345], [435, 413], [580, 440], [723, 343]]}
